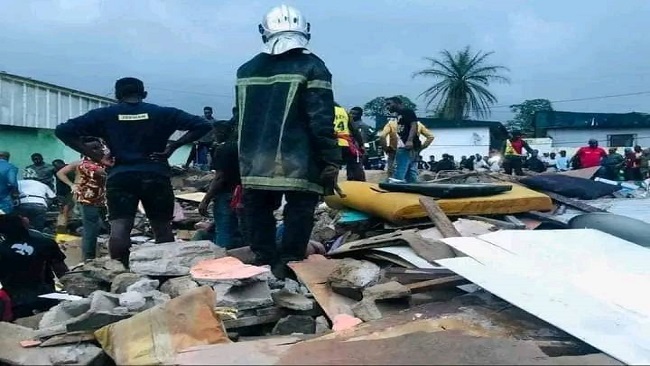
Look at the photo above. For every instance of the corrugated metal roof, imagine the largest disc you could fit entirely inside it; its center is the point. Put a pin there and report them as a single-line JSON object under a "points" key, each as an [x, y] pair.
{"points": [[26, 102]]}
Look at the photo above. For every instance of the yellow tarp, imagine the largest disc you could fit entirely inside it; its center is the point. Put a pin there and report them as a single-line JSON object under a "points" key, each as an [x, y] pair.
{"points": [[154, 336], [397, 207]]}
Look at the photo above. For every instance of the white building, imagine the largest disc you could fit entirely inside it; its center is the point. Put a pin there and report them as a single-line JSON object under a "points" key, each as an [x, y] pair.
{"points": [[573, 129]]}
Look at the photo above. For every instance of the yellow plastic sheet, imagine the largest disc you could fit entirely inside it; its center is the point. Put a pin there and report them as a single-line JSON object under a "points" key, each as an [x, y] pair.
{"points": [[398, 207]]}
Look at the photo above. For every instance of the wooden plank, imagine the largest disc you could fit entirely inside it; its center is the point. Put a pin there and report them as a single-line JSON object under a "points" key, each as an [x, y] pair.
{"points": [[313, 272], [607, 328], [573, 203], [437, 284], [439, 218]]}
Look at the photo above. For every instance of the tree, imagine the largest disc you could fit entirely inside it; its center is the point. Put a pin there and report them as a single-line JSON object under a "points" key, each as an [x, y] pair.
{"points": [[525, 114], [462, 81], [377, 107]]}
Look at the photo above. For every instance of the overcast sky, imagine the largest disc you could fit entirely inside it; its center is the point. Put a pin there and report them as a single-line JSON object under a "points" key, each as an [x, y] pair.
{"points": [[187, 51]]}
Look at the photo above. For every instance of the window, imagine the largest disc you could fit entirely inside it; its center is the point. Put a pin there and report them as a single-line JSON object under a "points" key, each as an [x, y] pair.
{"points": [[626, 140]]}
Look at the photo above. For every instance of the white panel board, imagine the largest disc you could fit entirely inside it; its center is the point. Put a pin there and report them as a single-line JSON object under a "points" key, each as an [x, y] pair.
{"points": [[614, 331]]}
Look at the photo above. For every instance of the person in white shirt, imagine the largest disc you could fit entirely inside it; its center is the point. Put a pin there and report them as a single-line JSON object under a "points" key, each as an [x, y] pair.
{"points": [[33, 202], [562, 162]]}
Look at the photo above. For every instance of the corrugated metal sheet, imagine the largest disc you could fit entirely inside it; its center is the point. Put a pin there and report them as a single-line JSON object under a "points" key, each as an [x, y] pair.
{"points": [[637, 208], [26, 102]]}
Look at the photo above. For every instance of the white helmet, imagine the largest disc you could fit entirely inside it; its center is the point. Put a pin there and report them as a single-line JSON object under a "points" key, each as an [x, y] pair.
{"points": [[284, 28]]}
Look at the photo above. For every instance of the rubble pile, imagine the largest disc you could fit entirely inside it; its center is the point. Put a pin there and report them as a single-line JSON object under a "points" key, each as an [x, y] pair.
{"points": [[372, 273]]}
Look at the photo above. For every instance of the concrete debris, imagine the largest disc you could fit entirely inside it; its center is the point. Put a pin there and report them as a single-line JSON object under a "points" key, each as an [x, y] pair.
{"points": [[171, 259], [124, 280], [244, 297], [292, 324], [175, 287], [228, 270], [292, 286], [104, 268], [293, 301], [385, 291], [133, 301], [322, 326], [143, 286], [82, 284], [11, 353], [315, 247], [63, 312], [343, 322], [366, 310], [351, 276]]}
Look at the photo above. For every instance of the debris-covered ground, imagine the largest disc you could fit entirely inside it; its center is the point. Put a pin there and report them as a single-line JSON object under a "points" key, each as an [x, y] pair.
{"points": [[390, 278]]}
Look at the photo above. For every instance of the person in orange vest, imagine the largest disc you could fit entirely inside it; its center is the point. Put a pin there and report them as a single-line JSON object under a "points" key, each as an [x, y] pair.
{"points": [[514, 154], [351, 143]]}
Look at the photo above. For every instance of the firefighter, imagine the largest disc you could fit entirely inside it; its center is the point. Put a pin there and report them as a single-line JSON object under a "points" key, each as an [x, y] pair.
{"points": [[351, 142], [514, 154], [287, 145]]}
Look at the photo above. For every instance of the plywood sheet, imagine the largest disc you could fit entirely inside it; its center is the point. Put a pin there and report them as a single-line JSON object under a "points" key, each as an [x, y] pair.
{"points": [[313, 272]]}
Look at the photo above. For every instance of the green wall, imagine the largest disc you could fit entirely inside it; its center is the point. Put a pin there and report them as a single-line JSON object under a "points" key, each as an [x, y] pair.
{"points": [[22, 142]]}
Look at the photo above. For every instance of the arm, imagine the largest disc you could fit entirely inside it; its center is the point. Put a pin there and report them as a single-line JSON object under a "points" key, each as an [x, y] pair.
{"points": [[527, 147], [62, 174], [412, 134], [57, 260], [356, 135], [89, 124], [427, 134], [195, 126], [49, 193], [12, 180], [318, 100]]}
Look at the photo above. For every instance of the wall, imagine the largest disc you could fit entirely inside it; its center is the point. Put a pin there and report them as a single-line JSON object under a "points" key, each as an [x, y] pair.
{"points": [[579, 137], [458, 142], [23, 142]]}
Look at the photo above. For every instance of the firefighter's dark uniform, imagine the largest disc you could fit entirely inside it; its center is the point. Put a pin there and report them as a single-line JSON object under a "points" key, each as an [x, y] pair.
{"points": [[286, 109]]}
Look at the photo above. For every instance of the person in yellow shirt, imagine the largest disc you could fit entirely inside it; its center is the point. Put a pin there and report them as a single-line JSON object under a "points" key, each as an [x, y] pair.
{"points": [[390, 131], [351, 143]]}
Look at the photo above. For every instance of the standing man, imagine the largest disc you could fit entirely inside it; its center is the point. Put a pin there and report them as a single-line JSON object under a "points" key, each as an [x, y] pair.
{"points": [[351, 143], [591, 155], [90, 193], [8, 183], [287, 145], [137, 136], [366, 132], [408, 141], [390, 130], [200, 152], [514, 154], [40, 171]]}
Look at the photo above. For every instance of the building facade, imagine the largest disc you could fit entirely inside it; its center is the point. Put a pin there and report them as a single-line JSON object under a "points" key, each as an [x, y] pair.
{"points": [[31, 109], [573, 129]]}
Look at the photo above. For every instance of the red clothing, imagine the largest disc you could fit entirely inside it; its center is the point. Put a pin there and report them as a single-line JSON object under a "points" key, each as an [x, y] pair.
{"points": [[6, 314], [590, 156]]}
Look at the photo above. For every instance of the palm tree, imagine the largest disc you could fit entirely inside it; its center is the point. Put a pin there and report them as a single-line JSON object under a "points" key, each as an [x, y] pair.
{"points": [[462, 83]]}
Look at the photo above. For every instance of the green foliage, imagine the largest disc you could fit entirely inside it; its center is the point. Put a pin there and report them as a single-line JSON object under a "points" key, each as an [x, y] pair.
{"points": [[377, 107], [462, 81], [525, 114]]}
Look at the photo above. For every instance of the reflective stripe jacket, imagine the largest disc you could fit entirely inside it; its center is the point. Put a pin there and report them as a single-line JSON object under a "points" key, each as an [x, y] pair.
{"points": [[286, 109]]}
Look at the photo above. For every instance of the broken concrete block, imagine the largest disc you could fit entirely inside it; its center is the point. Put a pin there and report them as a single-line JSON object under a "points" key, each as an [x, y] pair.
{"points": [[101, 313], [245, 297], [82, 284], [351, 276], [289, 300], [64, 311], [11, 353], [66, 356], [385, 291], [322, 326], [143, 286], [155, 298], [124, 280], [295, 324], [104, 268], [175, 287], [171, 259], [227, 269], [132, 300], [366, 310], [291, 286]]}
